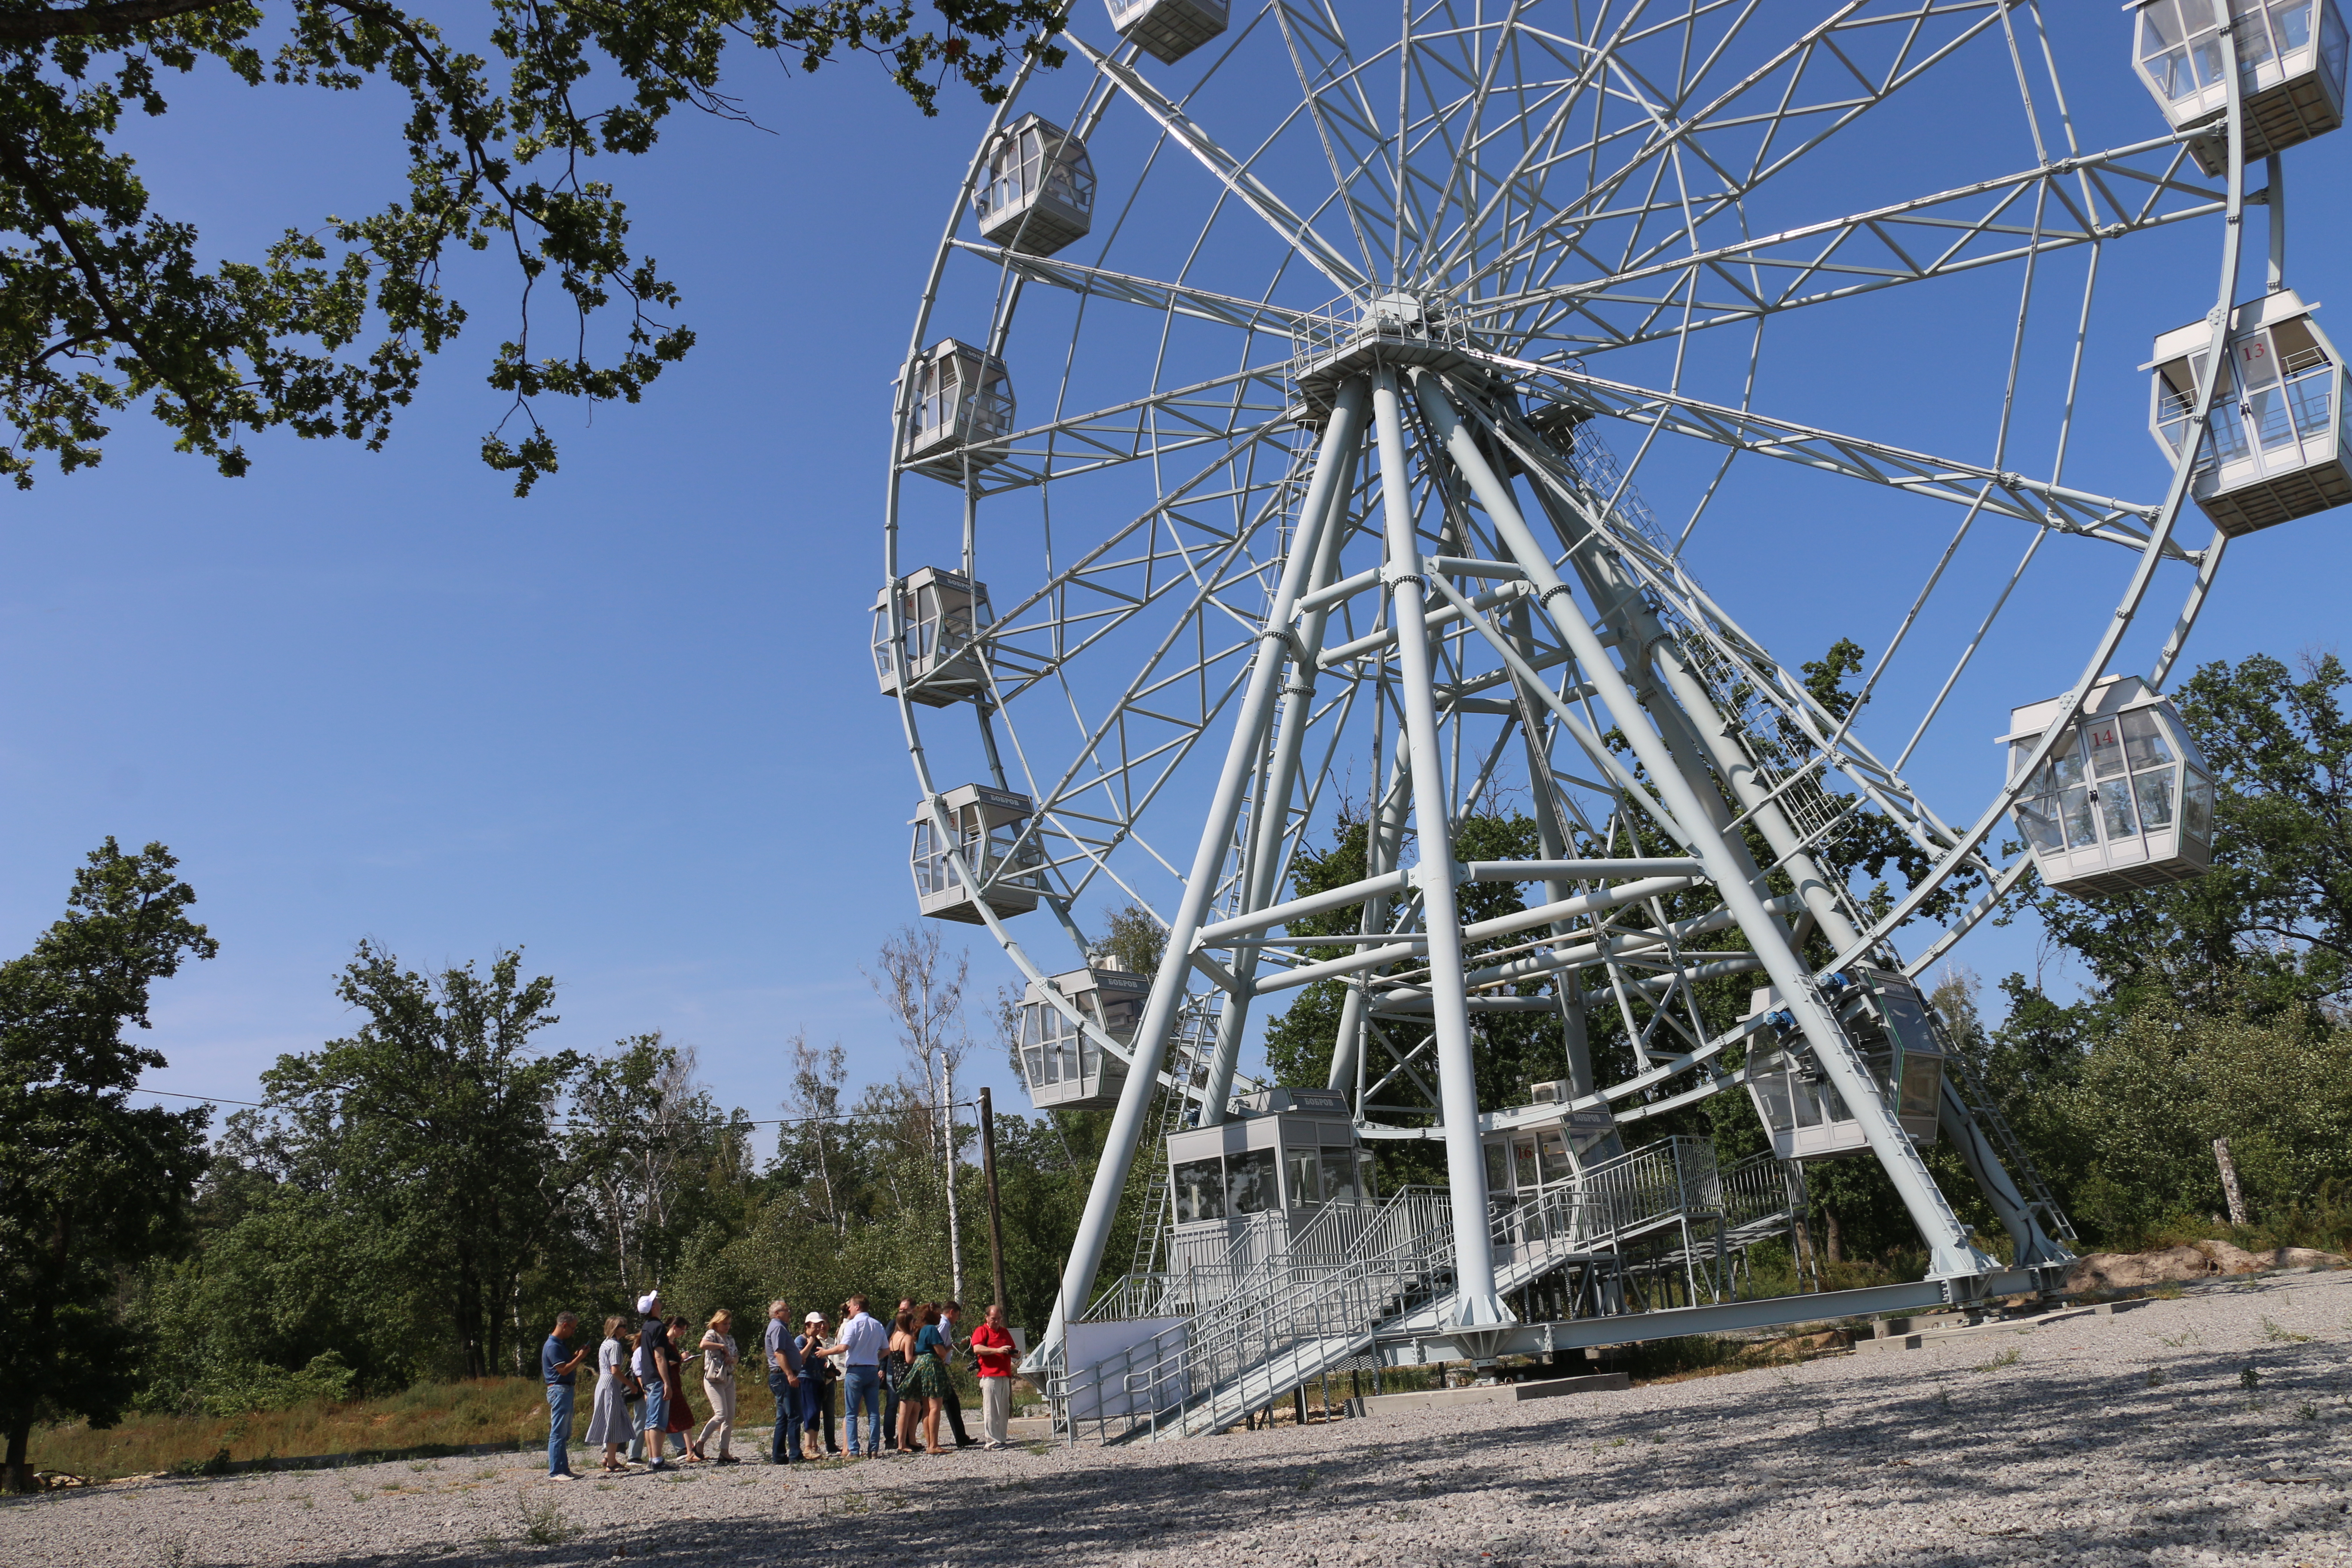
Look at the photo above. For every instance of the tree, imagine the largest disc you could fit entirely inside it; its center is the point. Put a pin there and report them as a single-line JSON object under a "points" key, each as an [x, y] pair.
{"points": [[434, 1122], [107, 302], [926, 1002], [90, 1185], [655, 1156]]}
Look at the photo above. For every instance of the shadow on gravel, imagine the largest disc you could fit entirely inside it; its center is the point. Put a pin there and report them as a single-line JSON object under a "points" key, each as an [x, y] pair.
{"points": [[2000, 1461]]}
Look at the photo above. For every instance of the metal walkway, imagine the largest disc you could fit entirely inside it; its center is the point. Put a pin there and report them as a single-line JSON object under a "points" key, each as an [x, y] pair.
{"points": [[1240, 1335]]}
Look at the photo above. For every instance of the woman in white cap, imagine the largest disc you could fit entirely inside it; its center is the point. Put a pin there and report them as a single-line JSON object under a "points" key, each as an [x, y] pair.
{"points": [[817, 1376]]}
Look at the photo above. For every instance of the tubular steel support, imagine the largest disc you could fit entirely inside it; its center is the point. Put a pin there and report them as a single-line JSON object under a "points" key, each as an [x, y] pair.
{"points": [[1475, 1303], [1168, 987], [1949, 1249]]}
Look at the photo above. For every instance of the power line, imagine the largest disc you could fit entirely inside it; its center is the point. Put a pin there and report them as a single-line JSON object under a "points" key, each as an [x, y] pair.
{"points": [[708, 1121]]}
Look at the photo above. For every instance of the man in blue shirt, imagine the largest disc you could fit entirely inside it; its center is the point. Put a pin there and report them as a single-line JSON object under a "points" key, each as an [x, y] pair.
{"points": [[556, 1372], [784, 1381]]}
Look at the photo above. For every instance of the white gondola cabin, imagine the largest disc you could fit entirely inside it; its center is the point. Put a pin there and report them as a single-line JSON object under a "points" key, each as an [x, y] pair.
{"points": [[1168, 29], [2276, 446], [1254, 1181], [2290, 57], [1547, 1144], [1885, 1017], [961, 412], [1063, 1068], [1038, 192], [931, 656], [987, 826], [2126, 799]]}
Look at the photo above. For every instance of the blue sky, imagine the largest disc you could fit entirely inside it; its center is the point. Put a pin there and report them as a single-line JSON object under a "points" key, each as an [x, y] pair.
{"points": [[629, 723]]}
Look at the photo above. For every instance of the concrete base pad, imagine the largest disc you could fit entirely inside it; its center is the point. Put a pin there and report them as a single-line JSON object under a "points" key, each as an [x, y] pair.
{"points": [[1496, 1393]]}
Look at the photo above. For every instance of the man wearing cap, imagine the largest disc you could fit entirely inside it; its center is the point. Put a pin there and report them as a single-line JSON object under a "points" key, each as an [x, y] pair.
{"points": [[784, 1383], [817, 1375], [646, 1361]]}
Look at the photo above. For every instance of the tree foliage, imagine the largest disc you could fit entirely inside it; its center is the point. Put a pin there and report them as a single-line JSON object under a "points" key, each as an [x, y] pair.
{"points": [[90, 1185], [109, 302]]}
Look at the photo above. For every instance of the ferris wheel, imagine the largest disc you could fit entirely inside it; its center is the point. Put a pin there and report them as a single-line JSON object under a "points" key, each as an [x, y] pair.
{"points": [[1325, 419]]}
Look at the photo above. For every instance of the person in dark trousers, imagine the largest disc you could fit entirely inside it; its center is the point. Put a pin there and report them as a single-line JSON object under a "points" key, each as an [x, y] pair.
{"points": [[894, 1372], [555, 1370], [949, 1328], [818, 1375], [784, 1359]]}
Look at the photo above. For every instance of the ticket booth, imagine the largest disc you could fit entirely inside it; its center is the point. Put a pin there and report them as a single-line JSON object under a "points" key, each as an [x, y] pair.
{"points": [[987, 827], [2125, 800], [1261, 1176], [932, 657], [2275, 442], [2291, 56], [1063, 1068], [1889, 1024]]}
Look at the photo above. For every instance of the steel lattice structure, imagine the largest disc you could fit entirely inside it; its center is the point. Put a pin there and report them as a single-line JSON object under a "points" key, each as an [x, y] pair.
{"points": [[1370, 303]]}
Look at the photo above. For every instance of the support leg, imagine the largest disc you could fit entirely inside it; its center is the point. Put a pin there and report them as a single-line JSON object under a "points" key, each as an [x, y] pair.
{"points": [[1475, 1302], [1168, 986]]}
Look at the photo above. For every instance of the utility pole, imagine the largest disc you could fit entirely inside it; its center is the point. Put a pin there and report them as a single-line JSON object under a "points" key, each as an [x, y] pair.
{"points": [[988, 1180], [955, 1230]]}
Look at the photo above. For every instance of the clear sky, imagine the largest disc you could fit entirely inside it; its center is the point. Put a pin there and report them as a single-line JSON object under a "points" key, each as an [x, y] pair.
{"points": [[629, 723]]}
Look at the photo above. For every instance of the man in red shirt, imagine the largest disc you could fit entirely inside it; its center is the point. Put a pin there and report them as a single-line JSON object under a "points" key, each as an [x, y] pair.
{"points": [[991, 1357]]}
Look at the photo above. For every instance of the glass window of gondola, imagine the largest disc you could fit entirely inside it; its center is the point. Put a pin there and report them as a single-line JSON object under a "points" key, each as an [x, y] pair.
{"points": [[1036, 192], [2125, 799], [1168, 29], [1199, 1187], [2291, 66], [1252, 1182], [2276, 446]]}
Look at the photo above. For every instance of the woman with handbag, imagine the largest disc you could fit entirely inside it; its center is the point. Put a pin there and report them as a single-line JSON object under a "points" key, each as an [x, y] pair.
{"points": [[611, 1421], [718, 1384]]}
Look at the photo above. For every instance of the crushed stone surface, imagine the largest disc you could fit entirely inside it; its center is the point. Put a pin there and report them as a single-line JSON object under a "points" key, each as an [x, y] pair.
{"points": [[2134, 1439]]}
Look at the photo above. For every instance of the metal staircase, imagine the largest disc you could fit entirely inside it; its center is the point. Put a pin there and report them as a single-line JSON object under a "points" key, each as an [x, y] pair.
{"points": [[1980, 1104], [1258, 1325]]}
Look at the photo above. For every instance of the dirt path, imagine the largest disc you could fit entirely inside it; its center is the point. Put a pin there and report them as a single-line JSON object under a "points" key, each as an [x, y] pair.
{"points": [[2126, 1440]]}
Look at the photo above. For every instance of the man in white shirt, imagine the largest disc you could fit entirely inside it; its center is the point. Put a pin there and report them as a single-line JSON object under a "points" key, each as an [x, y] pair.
{"points": [[860, 1350]]}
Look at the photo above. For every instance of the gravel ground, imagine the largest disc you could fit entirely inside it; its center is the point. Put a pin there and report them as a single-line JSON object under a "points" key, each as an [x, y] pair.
{"points": [[2130, 1440]]}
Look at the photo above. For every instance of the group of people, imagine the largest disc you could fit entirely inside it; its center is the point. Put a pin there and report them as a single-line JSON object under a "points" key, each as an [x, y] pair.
{"points": [[897, 1376]]}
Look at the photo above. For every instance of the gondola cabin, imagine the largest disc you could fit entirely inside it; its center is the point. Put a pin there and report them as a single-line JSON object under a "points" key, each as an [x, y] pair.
{"points": [[1168, 29], [1888, 1022], [1545, 1144], [2290, 57], [961, 412], [2125, 799], [931, 656], [1243, 1188], [2276, 445], [986, 832], [1065, 1067], [1038, 190]]}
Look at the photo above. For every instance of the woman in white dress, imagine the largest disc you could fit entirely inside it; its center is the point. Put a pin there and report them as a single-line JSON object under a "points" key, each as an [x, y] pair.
{"points": [[609, 1422], [718, 1383]]}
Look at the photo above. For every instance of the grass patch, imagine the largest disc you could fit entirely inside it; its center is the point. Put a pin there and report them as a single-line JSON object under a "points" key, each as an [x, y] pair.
{"points": [[419, 1421]]}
